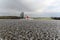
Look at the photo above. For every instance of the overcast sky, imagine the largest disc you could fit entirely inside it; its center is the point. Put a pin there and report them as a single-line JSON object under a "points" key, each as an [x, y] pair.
{"points": [[30, 7]]}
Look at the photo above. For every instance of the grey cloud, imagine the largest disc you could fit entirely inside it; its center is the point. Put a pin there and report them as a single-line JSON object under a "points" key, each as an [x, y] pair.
{"points": [[6, 7], [13, 4], [14, 7]]}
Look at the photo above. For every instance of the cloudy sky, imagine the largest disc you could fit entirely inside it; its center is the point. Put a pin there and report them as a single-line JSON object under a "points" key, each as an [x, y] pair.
{"points": [[46, 8]]}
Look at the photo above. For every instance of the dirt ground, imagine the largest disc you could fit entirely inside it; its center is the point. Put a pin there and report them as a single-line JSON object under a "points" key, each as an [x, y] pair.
{"points": [[19, 29]]}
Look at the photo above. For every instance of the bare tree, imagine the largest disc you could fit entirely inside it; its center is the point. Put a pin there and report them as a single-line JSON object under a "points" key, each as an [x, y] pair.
{"points": [[22, 15]]}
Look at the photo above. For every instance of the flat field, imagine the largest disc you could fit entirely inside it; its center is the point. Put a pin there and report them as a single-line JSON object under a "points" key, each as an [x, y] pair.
{"points": [[20, 29], [43, 18]]}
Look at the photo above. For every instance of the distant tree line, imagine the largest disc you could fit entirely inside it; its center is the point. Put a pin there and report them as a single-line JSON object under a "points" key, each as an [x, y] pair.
{"points": [[56, 18], [9, 17], [13, 17]]}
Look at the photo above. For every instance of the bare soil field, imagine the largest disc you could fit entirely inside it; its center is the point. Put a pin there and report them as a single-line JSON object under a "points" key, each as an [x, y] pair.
{"points": [[16, 29]]}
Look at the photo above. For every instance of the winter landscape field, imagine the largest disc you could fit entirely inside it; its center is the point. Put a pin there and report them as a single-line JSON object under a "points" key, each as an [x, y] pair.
{"points": [[20, 29]]}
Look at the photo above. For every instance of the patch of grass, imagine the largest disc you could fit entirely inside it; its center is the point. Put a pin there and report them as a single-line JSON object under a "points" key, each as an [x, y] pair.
{"points": [[43, 18]]}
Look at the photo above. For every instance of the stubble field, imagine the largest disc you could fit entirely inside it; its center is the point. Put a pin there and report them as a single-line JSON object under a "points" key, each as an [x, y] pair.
{"points": [[16, 29]]}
